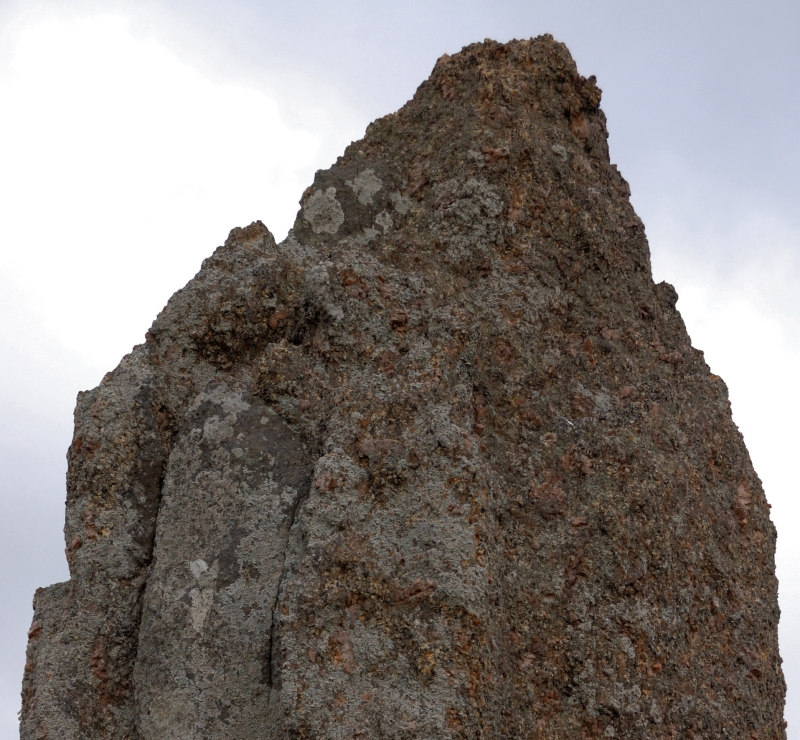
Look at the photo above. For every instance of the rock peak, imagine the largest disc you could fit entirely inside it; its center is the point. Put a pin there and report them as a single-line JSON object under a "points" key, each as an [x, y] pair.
{"points": [[442, 463]]}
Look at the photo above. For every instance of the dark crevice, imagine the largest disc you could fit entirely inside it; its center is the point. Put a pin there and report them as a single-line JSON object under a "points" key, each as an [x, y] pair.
{"points": [[151, 544], [166, 433], [271, 670]]}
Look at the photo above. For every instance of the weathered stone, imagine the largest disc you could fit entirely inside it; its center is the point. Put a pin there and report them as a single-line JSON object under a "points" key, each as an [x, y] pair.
{"points": [[443, 463]]}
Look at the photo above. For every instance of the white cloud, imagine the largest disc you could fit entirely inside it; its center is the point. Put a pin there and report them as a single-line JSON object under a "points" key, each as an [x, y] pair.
{"points": [[121, 168]]}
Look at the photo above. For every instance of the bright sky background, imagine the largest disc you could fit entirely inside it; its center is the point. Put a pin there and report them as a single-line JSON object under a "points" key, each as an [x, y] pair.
{"points": [[134, 136]]}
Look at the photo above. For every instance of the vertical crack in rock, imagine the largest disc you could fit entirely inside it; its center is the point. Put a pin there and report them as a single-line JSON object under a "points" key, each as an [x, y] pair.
{"points": [[147, 563], [270, 671], [531, 512]]}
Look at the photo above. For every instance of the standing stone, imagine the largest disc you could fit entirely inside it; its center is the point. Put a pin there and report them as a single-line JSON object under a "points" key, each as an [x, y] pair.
{"points": [[441, 464]]}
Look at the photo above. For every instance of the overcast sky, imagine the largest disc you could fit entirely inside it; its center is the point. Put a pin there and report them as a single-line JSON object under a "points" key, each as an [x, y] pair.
{"points": [[135, 135]]}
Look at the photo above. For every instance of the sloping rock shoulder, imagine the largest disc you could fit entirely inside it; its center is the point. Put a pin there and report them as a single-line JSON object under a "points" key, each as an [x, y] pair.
{"points": [[442, 464]]}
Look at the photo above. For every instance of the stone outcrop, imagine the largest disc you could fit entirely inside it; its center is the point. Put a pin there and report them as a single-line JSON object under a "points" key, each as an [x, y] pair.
{"points": [[441, 464]]}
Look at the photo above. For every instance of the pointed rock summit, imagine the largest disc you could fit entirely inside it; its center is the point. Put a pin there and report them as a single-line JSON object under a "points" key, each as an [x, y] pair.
{"points": [[441, 464]]}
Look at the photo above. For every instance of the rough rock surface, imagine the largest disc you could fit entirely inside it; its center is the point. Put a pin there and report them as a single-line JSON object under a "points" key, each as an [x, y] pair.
{"points": [[442, 464]]}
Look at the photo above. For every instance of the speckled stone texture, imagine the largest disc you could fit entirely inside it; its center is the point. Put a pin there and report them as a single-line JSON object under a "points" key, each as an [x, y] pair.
{"points": [[441, 464]]}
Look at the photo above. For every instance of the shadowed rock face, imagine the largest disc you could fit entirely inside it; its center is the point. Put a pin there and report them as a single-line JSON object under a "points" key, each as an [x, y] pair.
{"points": [[442, 464]]}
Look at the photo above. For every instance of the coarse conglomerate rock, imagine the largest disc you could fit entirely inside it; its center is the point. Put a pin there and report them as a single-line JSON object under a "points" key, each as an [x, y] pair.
{"points": [[441, 464]]}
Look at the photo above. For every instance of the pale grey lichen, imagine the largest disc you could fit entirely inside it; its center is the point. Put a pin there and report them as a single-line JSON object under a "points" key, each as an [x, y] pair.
{"points": [[401, 204], [323, 212], [366, 185]]}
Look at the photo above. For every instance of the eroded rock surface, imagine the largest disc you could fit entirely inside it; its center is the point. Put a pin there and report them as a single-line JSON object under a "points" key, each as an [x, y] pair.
{"points": [[441, 464]]}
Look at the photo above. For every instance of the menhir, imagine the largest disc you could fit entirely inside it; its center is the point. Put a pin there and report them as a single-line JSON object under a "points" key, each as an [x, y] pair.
{"points": [[441, 464]]}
